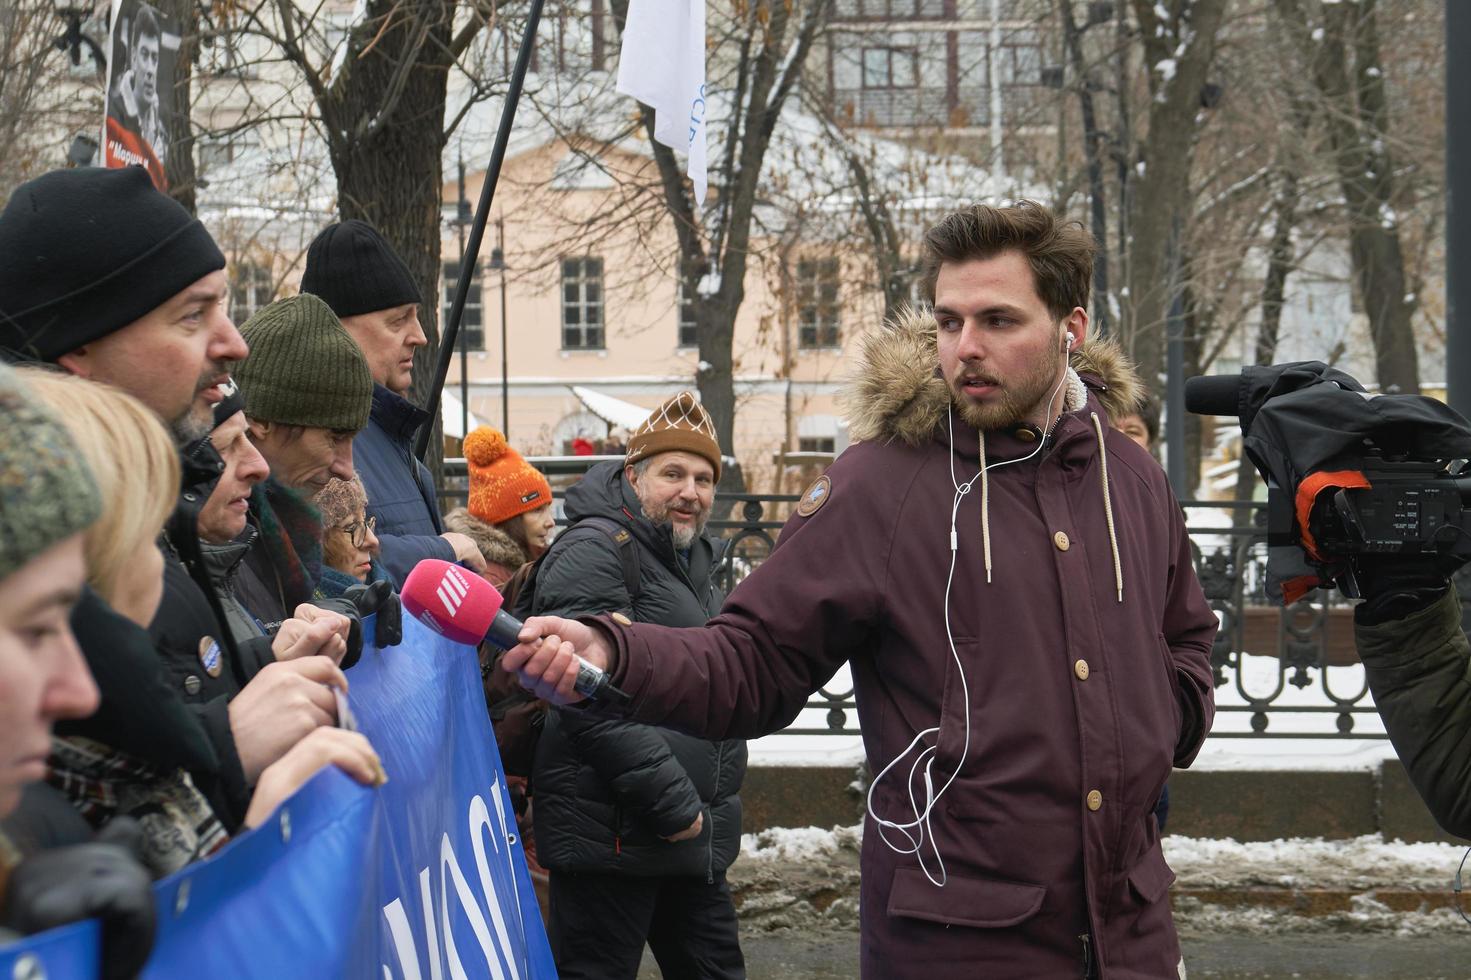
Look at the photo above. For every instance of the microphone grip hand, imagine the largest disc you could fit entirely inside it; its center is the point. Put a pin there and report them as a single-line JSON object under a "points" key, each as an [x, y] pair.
{"points": [[562, 661]]}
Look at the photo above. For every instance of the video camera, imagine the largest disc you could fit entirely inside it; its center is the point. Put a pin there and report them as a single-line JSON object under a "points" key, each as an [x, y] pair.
{"points": [[1354, 482]]}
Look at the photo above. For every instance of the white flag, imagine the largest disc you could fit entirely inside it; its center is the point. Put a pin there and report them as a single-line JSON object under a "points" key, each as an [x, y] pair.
{"points": [[663, 66]]}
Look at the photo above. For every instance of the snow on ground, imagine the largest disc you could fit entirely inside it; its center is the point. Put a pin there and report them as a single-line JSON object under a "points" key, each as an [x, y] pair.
{"points": [[787, 879], [1359, 863]]}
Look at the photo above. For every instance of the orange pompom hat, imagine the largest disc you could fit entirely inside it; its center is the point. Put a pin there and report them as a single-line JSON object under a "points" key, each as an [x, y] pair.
{"points": [[502, 484]]}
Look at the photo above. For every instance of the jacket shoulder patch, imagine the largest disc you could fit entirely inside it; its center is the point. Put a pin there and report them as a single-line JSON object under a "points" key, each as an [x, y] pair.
{"points": [[815, 496]]}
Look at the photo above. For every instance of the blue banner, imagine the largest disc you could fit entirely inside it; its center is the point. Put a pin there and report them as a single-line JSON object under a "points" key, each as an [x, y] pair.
{"points": [[420, 879]]}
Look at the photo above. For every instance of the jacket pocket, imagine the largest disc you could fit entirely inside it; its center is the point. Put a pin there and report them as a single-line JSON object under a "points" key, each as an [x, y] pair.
{"points": [[981, 903], [1151, 877], [1172, 684]]}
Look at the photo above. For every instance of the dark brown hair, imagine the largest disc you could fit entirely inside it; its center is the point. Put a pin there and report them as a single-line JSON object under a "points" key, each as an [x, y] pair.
{"points": [[1060, 253]]}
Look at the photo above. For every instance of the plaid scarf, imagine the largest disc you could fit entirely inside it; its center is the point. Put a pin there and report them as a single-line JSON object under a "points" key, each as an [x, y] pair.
{"points": [[179, 826], [291, 537]]}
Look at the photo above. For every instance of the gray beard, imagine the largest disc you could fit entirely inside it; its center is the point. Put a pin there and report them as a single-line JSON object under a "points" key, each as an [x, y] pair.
{"points": [[189, 428]]}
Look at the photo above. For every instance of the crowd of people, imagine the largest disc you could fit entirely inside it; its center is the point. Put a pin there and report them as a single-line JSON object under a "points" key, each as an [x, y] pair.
{"points": [[195, 519]]}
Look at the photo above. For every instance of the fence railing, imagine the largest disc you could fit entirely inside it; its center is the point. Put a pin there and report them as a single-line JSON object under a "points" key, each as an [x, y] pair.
{"points": [[1279, 672]]}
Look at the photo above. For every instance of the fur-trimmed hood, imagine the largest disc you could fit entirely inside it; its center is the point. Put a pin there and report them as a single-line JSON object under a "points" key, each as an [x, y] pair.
{"points": [[896, 393], [496, 546]]}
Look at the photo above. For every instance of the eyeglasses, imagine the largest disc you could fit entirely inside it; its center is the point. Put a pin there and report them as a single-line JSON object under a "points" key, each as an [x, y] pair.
{"points": [[357, 531]]}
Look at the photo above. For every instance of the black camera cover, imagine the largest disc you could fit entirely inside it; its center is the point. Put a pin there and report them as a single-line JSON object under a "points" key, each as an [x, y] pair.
{"points": [[1304, 419]]}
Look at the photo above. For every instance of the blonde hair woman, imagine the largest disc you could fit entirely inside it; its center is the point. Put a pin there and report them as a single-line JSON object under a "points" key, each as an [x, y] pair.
{"points": [[136, 468]]}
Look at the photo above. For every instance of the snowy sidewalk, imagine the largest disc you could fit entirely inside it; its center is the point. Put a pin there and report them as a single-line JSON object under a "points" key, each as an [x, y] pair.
{"points": [[808, 877]]}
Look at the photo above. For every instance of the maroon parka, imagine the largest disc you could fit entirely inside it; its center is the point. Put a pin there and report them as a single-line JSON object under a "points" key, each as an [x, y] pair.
{"points": [[1086, 671]]}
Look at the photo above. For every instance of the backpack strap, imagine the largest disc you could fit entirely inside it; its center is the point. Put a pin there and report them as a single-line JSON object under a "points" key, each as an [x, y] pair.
{"points": [[622, 538]]}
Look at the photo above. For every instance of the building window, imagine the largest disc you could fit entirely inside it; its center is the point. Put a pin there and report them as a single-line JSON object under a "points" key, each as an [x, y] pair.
{"points": [[689, 333], [816, 444], [889, 10], [582, 304], [889, 67], [251, 288], [472, 321], [817, 303]]}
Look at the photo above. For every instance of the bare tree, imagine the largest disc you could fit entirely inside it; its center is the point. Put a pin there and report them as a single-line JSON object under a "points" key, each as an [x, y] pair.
{"points": [[1339, 44], [1179, 50], [768, 43]]}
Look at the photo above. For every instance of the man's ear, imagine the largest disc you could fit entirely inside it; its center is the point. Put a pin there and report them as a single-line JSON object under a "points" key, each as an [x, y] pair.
{"points": [[631, 476], [77, 362], [1077, 325], [258, 430]]}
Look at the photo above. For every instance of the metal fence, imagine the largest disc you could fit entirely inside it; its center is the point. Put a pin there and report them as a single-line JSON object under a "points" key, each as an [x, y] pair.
{"points": [[1295, 666]]}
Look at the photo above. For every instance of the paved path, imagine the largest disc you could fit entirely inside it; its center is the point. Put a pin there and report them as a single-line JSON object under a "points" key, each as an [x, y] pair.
{"points": [[1332, 956]]}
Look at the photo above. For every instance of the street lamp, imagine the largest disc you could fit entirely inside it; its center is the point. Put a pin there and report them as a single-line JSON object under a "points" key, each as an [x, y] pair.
{"points": [[498, 262]]}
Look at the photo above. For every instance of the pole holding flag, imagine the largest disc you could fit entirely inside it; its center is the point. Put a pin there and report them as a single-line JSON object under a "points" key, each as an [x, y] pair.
{"points": [[662, 64]]}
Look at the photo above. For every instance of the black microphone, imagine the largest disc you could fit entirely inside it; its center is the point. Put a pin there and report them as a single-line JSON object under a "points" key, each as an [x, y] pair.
{"points": [[1213, 394]]}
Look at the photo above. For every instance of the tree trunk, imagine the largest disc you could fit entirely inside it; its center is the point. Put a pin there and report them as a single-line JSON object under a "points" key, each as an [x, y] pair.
{"points": [[1178, 57], [1357, 119], [385, 118], [1280, 262], [179, 169], [1093, 150]]}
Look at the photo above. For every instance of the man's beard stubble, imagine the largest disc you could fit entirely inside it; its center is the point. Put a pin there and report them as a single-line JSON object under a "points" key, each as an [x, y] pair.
{"points": [[684, 536], [1018, 398], [198, 418]]}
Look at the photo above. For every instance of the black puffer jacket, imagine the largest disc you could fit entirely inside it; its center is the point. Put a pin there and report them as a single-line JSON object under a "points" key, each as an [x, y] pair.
{"points": [[607, 792]]}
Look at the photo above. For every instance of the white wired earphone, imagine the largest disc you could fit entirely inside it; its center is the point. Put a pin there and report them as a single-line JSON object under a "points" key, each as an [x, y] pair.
{"points": [[915, 830]]}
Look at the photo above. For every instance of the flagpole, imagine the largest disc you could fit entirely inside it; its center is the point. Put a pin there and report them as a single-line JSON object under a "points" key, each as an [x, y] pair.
{"points": [[468, 258]]}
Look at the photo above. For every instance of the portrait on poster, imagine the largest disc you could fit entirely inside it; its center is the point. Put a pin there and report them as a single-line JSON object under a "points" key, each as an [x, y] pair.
{"points": [[142, 51]]}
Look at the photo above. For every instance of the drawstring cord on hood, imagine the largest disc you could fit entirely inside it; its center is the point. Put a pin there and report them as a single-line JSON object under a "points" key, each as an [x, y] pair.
{"points": [[1075, 400], [1113, 538]]}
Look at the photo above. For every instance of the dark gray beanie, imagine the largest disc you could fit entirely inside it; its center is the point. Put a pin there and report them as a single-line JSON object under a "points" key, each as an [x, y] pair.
{"points": [[86, 252], [46, 490], [353, 268], [304, 368]]}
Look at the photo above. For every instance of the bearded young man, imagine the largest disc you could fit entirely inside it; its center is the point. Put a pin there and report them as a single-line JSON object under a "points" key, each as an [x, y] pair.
{"points": [[636, 825], [1010, 581]]}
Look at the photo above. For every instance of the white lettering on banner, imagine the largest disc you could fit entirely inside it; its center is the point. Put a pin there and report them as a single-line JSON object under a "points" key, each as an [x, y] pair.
{"points": [[480, 825], [499, 951]]}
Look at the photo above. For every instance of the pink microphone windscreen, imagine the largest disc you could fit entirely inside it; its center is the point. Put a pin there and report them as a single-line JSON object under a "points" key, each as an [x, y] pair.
{"points": [[455, 603]]}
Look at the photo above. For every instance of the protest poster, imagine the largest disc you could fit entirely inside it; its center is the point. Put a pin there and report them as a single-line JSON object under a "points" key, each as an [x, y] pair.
{"points": [[142, 51]]}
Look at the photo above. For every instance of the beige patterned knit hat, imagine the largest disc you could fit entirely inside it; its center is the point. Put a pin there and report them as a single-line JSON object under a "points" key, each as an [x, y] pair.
{"points": [[678, 424], [46, 490]]}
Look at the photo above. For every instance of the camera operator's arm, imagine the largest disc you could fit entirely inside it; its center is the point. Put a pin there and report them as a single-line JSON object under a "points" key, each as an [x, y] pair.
{"points": [[1419, 670]]}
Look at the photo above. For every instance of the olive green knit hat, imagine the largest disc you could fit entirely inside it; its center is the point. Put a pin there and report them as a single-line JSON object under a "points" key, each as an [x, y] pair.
{"points": [[304, 368], [46, 490]]}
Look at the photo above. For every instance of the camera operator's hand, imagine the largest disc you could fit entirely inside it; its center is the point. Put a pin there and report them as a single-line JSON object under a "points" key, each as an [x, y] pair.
{"points": [[379, 598], [103, 879], [1395, 586]]}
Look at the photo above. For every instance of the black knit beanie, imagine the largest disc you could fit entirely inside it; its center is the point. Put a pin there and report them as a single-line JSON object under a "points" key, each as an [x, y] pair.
{"points": [[234, 401], [353, 268], [85, 252]]}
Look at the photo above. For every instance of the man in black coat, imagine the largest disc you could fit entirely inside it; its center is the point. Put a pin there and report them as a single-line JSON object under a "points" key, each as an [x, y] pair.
{"points": [[636, 824], [110, 280]]}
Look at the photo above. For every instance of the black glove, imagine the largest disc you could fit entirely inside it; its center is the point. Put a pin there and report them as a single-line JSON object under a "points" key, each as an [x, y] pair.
{"points": [[380, 598], [1396, 586], [346, 607], [103, 880]]}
